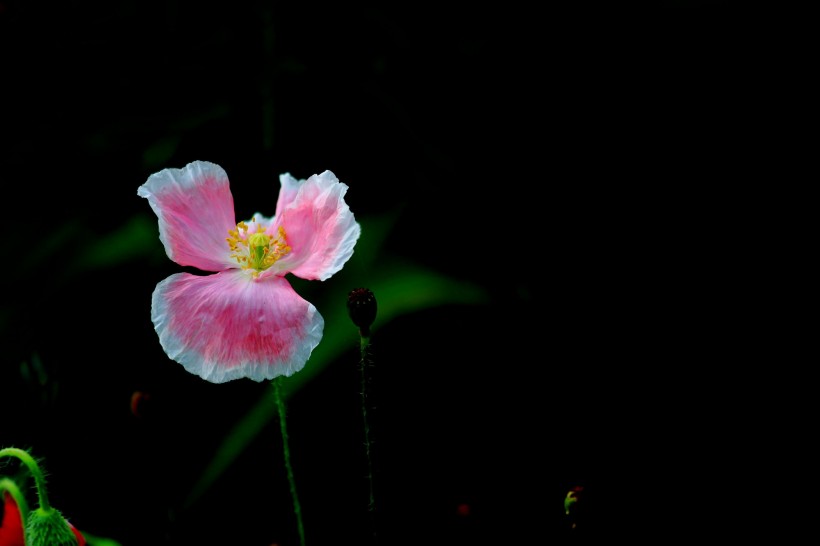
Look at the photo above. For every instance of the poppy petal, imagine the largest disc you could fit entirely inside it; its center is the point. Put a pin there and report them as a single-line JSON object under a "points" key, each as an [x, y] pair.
{"points": [[195, 210], [319, 227], [227, 325], [80, 537], [11, 526], [288, 188]]}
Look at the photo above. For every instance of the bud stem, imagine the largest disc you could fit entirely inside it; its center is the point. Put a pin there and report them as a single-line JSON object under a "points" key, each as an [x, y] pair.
{"points": [[371, 507], [297, 508], [34, 468]]}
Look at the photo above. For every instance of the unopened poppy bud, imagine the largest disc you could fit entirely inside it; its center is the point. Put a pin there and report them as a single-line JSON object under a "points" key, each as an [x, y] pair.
{"points": [[49, 528], [361, 305]]}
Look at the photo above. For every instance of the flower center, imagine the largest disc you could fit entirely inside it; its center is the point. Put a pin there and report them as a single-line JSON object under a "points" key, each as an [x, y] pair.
{"points": [[256, 251]]}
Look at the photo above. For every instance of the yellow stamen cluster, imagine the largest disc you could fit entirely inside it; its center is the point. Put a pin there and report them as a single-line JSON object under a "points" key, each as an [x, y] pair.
{"points": [[257, 251]]}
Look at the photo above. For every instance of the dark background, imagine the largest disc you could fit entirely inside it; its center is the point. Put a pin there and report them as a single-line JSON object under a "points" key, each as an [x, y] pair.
{"points": [[574, 163]]}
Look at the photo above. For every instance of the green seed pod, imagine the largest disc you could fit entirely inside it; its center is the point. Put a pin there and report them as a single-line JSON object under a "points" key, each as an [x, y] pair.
{"points": [[362, 307], [48, 528]]}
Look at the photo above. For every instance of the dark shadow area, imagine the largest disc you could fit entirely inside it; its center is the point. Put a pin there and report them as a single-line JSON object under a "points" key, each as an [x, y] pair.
{"points": [[573, 163]]}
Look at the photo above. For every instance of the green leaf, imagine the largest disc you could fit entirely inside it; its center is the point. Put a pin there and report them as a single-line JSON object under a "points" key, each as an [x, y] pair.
{"points": [[93, 540], [136, 239]]}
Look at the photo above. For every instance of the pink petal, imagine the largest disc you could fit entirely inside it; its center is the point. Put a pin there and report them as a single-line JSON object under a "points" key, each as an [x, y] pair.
{"points": [[227, 326], [288, 189], [319, 227], [195, 210]]}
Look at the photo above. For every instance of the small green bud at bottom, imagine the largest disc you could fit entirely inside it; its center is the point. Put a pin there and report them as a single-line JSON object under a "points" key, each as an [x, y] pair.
{"points": [[48, 528]]}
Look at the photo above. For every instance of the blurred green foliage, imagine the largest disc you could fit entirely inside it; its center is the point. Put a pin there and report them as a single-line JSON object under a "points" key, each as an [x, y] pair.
{"points": [[400, 286]]}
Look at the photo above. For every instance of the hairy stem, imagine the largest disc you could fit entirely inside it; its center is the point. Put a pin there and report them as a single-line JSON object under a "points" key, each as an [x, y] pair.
{"points": [[371, 506], [34, 468], [297, 508]]}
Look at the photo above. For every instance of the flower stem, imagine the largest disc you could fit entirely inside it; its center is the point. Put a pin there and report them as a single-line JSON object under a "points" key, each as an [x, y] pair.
{"points": [[371, 506], [297, 508], [34, 468]]}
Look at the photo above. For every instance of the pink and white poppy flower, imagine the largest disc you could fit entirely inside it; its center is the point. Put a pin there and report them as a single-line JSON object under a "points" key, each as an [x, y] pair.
{"points": [[246, 320]]}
